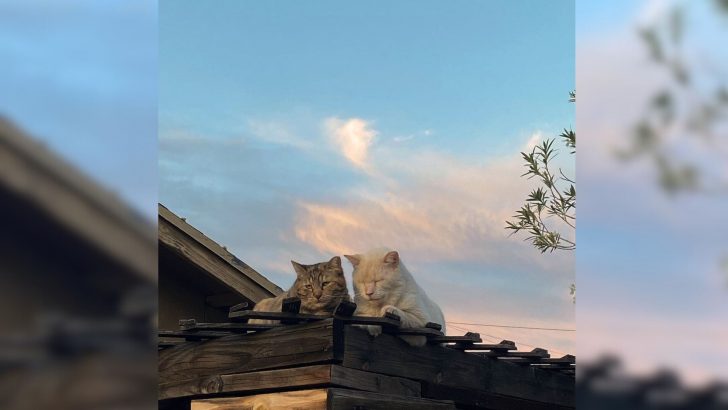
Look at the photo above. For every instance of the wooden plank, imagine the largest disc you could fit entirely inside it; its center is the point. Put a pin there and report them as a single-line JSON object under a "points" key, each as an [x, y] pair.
{"points": [[210, 262], [331, 399], [192, 324], [191, 335], [505, 345], [474, 399], [300, 377], [345, 309], [286, 346], [301, 399], [240, 306], [449, 367], [291, 378], [288, 316], [374, 382], [230, 260], [536, 353], [343, 399], [387, 322], [466, 340], [421, 331]]}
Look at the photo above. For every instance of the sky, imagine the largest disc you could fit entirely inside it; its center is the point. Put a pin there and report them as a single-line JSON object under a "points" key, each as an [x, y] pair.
{"points": [[648, 264], [300, 131], [81, 76]]}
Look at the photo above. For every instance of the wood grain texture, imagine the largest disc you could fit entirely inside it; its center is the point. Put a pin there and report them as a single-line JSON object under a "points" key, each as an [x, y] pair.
{"points": [[449, 367], [222, 253], [288, 346], [331, 399], [284, 379], [343, 399], [210, 262], [293, 400]]}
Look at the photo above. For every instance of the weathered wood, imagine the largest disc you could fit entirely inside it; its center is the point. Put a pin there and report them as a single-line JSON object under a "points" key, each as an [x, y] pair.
{"points": [[207, 253], [331, 399], [290, 317], [536, 353], [391, 322], [192, 324], [299, 377], [301, 399], [197, 335], [342, 399], [449, 367], [286, 346], [345, 309], [385, 322], [505, 345], [210, 262], [466, 340], [420, 331], [290, 305], [286, 379], [475, 399], [240, 306], [374, 382], [432, 325]]}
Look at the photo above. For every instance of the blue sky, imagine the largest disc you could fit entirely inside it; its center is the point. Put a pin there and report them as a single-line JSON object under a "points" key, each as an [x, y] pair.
{"points": [[81, 76], [300, 131], [647, 264]]}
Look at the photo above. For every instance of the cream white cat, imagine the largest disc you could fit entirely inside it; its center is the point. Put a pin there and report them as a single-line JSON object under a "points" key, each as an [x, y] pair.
{"points": [[383, 284]]}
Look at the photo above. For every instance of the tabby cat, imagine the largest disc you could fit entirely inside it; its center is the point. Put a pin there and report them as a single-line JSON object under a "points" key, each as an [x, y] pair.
{"points": [[320, 287]]}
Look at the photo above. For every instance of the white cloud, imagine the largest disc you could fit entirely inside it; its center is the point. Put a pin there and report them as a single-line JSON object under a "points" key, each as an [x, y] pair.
{"points": [[353, 136], [276, 133], [535, 139]]}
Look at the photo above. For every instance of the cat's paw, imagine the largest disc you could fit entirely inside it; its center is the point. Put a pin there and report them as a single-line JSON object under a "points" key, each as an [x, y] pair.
{"points": [[373, 330], [393, 310]]}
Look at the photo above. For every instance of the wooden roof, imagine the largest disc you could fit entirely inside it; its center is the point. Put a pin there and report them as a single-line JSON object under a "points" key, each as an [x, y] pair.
{"points": [[210, 257], [31, 171]]}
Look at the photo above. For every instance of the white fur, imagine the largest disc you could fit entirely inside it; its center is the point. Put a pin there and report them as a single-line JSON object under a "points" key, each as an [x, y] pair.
{"points": [[396, 292]]}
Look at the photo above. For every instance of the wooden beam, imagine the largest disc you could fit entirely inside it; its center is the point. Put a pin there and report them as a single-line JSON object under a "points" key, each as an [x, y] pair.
{"points": [[287, 379], [475, 399], [342, 399], [192, 324], [301, 399], [322, 399], [292, 345], [209, 262], [210, 254], [449, 367]]}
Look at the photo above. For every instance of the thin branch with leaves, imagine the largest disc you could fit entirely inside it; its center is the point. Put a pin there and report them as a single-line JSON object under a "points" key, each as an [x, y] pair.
{"points": [[556, 198]]}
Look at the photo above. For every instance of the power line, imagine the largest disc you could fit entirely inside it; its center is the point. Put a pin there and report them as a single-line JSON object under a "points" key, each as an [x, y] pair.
{"points": [[513, 327], [496, 338]]}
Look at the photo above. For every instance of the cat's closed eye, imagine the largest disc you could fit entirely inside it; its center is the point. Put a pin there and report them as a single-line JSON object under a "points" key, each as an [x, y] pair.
{"points": [[325, 284]]}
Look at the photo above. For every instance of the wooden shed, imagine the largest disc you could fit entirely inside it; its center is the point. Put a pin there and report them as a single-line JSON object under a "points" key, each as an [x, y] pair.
{"points": [[315, 362], [198, 278]]}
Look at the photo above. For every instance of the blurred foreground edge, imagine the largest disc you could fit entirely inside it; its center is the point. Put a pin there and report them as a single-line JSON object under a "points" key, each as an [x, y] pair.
{"points": [[77, 285]]}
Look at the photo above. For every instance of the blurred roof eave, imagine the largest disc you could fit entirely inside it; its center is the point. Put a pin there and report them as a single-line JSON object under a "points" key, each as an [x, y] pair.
{"points": [[34, 172]]}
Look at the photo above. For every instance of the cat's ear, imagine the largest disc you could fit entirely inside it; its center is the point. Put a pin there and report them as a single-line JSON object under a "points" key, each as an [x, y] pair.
{"points": [[354, 259], [300, 270], [392, 258], [335, 262]]}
